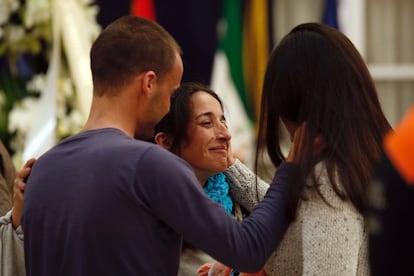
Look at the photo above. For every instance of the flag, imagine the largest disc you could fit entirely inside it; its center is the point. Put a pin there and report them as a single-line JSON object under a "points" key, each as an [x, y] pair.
{"points": [[229, 82], [330, 15], [348, 17], [256, 49], [231, 43], [144, 8], [351, 21]]}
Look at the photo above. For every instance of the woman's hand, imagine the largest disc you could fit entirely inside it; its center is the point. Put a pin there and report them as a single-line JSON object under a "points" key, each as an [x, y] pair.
{"points": [[297, 147], [18, 191]]}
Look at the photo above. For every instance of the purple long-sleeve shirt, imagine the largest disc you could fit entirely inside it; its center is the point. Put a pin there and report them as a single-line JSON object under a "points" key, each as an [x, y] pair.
{"points": [[101, 203]]}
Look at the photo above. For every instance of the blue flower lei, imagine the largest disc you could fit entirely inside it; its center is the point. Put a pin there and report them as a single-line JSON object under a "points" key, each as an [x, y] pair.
{"points": [[217, 190]]}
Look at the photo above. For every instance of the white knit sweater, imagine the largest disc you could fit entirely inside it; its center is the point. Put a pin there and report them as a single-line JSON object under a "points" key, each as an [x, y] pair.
{"points": [[322, 241], [11, 248]]}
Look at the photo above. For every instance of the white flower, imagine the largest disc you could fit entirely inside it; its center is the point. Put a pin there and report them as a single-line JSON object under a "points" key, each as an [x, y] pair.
{"points": [[70, 124], [37, 12], [31, 33], [37, 83], [20, 117], [65, 87], [7, 7], [92, 27], [14, 33]]}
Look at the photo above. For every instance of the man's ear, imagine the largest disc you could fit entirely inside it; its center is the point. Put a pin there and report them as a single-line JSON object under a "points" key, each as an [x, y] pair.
{"points": [[163, 140], [149, 80]]}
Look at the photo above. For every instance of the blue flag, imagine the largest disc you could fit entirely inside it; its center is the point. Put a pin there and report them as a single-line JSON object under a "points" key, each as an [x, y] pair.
{"points": [[330, 14]]}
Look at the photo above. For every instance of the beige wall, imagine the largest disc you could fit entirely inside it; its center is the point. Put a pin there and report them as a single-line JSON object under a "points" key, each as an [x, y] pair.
{"points": [[388, 44]]}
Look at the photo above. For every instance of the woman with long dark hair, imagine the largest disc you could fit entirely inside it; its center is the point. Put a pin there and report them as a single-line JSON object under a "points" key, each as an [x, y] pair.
{"points": [[317, 78]]}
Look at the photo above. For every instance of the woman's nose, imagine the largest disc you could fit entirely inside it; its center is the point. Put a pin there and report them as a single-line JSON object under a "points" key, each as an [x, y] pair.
{"points": [[223, 132]]}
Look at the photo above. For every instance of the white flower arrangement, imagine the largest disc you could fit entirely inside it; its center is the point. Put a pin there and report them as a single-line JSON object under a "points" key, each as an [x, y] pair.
{"points": [[26, 31], [24, 27]]}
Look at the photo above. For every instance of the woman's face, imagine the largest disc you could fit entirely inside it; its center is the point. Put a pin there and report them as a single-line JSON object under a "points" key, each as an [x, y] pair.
{"points": [[208, 137]]}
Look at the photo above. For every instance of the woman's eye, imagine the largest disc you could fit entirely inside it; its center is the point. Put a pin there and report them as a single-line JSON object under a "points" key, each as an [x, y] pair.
{"points": [[206, 123]]}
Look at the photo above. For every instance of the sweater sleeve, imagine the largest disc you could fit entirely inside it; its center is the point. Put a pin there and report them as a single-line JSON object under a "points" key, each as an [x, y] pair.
{"points": [[5, 196], [245, 187], [11, 248], [7, 173]]}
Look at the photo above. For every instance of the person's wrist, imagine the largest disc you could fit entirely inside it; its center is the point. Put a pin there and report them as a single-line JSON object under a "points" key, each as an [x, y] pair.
{"points": [[15, 222]]}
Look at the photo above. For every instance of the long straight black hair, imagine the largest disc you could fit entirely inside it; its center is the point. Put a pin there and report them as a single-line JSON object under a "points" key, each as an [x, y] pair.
{"points": [[316, 75]]}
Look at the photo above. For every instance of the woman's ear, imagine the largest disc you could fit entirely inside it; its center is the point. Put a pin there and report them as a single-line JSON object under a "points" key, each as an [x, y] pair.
{"points": [[163, 140]]}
